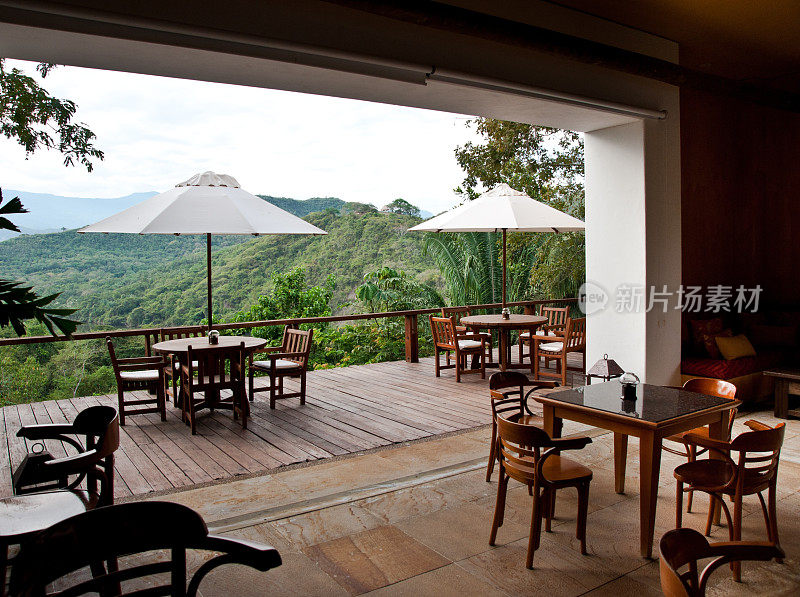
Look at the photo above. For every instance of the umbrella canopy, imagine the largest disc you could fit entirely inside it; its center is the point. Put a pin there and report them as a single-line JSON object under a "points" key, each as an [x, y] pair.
{"points": [[207, 204], [502, 209]]}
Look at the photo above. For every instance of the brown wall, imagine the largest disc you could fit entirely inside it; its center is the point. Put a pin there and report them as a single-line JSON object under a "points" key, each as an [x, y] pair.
{"points": [[740, 186]]}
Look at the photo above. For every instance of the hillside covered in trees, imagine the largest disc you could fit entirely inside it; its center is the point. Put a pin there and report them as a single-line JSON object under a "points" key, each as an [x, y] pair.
{"points": [[151, 280]]}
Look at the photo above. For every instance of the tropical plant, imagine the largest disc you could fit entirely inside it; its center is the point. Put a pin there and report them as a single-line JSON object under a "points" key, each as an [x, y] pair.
{"points": [[403, 207], [387, 289], [546, 164]]}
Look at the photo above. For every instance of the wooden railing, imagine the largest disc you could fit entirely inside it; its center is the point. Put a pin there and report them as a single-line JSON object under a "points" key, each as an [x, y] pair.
{"points": [[411, 325]]}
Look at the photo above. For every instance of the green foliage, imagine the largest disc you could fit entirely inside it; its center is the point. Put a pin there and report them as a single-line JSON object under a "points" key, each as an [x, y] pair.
{"points": [[19, 302], [30, 116], [401, 206], [290, 298], [302, 208], [123, 280], [547, 164], [354, 207], [387, 289]]}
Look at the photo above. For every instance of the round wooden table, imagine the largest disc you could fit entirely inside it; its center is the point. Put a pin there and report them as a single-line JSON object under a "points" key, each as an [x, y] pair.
{"points": [[180, 346], [504, 326]]}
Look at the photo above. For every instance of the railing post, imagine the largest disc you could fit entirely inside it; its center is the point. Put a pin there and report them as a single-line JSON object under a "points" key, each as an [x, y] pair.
{"points": [[529, 309], [412, 339]]}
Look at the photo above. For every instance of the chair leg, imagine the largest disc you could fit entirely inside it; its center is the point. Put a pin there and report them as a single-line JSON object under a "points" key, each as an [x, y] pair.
{"points": [[679, 505], [483, 364], [458, 367], [549, 509], [500, 505], [492, 455], [692, 452], [250, 383], [302, 388], [535, 358], [736, 567], [273, 381], [121, 401], [773, 515], [583, 511], [162, 400], [436, 362], [536, 526], [563, 363]]}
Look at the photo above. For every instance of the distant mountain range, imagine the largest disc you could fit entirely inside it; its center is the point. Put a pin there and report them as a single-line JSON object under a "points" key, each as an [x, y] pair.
{"points": [[54, 213]]}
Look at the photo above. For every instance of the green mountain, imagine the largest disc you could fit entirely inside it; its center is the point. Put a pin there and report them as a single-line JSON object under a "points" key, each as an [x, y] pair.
{"points": [[301, 208], [130, 280]]}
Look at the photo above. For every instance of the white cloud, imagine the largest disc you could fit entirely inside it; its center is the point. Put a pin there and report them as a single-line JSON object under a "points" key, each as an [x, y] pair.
{"points": [[157, 131]]}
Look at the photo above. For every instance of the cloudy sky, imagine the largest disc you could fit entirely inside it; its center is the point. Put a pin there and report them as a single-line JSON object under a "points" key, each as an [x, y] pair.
{"points": [[157, 131]]}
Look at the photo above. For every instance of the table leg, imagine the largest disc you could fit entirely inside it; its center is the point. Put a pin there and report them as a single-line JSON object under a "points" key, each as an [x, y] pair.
{"points": [[552, 424], [782, 398], [649, 469], [718, 430], [620, 461], [503, 347]]}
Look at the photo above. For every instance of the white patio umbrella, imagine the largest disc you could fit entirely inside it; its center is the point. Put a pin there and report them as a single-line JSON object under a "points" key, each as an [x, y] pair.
{"points": [[207, 204], [502, 209]]}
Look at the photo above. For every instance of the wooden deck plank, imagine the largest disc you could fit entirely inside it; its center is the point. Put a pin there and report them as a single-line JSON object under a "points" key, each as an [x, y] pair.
{"points": [[347, 410]]}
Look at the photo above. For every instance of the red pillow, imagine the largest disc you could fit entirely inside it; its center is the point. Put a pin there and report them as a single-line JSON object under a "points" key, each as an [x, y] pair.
{"points": [[710, 344], [702, 327]]}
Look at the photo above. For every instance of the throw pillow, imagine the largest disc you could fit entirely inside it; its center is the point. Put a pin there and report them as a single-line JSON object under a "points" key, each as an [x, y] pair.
{"points": [[710, 344], [700, 327], [736, 347]]}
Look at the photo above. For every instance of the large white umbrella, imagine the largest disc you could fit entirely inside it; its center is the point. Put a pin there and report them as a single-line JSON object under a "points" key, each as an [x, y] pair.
{"points": [[502, 209], [207, 204]]}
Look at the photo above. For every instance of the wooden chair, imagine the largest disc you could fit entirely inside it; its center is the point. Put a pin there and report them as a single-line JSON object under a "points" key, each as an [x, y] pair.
{"points": [[755, 470], [447, 340], [157, 535], [709, 387], [172, 371], [574, 340], [519, 448], [211, 371], [291, 360], [138, 373], [556, 325], [93, 460], [511, 404], [458, 313], [685, 547]]}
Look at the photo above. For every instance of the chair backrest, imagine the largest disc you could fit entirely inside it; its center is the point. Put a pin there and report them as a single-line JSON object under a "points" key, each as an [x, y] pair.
{"points": [[575, 335], [217, 368], [714, 387], [150, 338], [100, 425], [684, 547], [456, 313], [556, 316], [759, 452], [519, 448], [297, 342], [444, 331], [186, 332], [90, 539], [509, 403]]}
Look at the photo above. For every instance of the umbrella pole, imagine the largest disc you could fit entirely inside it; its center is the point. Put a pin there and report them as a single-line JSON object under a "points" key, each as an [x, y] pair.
{"points": [[208, 264], [504, 270]]}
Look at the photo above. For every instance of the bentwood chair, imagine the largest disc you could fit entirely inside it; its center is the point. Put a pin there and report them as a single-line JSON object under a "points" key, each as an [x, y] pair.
{"points": [[138, 373], [446, 339], [93, 460], [509, 400], [519, 448], [709, 387], [685, 547], [172, 371], [574, 340], [291, 360], [148, 542], [556, 324], [458, 313], [209, 372], [754, 471]]}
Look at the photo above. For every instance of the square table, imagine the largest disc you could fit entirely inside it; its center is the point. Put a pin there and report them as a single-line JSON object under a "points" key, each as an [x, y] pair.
{"points": [[657, 412]]}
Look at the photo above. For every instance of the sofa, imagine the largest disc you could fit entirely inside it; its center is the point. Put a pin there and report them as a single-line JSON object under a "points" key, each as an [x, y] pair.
{"points": [[774, 338]]}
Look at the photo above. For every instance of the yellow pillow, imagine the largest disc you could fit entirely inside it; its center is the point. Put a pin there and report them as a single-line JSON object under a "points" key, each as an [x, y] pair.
{"points": [[735, 348]]}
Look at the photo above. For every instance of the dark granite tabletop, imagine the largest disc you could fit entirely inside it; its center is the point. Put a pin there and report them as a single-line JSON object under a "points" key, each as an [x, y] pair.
{"points": [[653, 403]]}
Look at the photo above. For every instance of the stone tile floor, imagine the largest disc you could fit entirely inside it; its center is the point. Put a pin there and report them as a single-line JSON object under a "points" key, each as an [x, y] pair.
{"points": [[415, 519]]}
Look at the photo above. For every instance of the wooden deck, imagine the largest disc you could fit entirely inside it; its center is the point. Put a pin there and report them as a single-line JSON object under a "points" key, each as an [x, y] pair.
{"points": [[347, 410]]}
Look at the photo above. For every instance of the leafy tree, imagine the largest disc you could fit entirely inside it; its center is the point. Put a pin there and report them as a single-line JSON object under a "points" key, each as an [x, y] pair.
{"points": [[403, 207], [354, 207], [387, 289], [36, 120], [546, 164]]}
